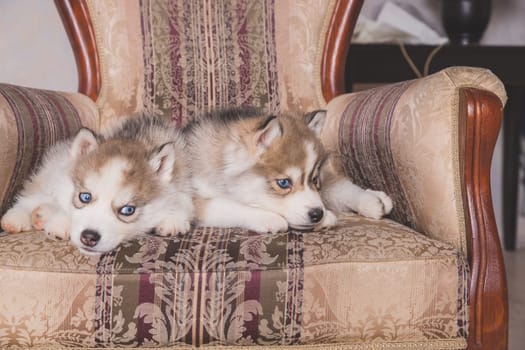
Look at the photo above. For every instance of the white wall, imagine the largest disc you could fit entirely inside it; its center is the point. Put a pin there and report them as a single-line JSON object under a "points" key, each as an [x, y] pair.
{"points": [[34, 47]]}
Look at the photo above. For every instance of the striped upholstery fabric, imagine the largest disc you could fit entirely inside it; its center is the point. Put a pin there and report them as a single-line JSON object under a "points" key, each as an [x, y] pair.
{"points": [[366, 282], [364, 146], [30, 121], [179, 58], [204, 54]]}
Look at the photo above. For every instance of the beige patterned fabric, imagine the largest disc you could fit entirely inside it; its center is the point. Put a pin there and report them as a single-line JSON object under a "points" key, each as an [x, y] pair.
{"points": [[119, 45], [301, 26], [179, 58], [367, 282], [422, 135]]}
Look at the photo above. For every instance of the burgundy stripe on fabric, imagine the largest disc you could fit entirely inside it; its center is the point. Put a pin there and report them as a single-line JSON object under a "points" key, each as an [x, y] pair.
{"points": [[356, 105], [252, 292], [103, 298], [207, 54], [146, 297], [17, 100], [364, 145], [294, 300], [274, 105], [42, 118], [244, 56], [177, 71], [201, 288], [463, 296], [148, 59]]}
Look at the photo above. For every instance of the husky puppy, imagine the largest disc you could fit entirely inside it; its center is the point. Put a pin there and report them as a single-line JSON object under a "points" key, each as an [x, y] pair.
{"points": [[102, 190], [270, 173]]}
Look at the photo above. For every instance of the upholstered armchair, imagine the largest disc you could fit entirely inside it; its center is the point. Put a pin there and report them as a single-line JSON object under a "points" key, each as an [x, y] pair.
{"points": [[429, 276]]}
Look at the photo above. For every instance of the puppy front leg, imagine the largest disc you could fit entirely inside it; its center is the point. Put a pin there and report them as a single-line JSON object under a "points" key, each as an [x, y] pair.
{"points": [[49, 218], [20, 217], [343, 195], [179, 216], [222, 212], [17, 219]]}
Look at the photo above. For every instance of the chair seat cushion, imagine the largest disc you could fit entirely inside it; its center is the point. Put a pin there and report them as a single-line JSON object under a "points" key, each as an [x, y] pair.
{"points": [[367, 280]]}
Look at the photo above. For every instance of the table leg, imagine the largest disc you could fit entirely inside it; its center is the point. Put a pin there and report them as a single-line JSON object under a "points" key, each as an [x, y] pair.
{"points": [[514, 112]]}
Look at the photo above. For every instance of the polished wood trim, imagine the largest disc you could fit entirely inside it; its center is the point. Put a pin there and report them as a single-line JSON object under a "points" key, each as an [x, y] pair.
{"points": [[336, 47], [75, 17], [481, 113]]}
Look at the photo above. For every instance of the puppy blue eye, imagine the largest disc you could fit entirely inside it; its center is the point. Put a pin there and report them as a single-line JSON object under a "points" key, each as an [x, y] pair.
{"points": [[127, 210], [85, 197], [284, 183]]}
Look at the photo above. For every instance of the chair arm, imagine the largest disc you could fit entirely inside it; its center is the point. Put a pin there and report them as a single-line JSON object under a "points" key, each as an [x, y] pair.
{"points": [[30, 121], [429, 143], [407, 139]]}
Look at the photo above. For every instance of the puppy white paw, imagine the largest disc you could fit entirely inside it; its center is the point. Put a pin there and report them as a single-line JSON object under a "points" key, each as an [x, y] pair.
{"points": [[267, 222], [374, 204], [329, 221], [172, 225], [16, 220], [55, 223], [387, 201]]}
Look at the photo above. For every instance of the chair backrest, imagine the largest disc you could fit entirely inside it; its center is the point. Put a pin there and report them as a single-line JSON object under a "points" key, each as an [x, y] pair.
{"points": [[178, 58]]}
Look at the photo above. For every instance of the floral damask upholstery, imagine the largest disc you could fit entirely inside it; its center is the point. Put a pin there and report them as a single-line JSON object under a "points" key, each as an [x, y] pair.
{"points": [[398, 283], [366, 281]]}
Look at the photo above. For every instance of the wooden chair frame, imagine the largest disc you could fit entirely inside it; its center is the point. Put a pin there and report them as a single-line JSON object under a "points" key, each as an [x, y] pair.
{"points": [[480, 118]]}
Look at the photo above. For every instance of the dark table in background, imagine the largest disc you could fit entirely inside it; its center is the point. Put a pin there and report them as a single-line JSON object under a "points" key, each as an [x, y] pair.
{"points": [[378, 63]]}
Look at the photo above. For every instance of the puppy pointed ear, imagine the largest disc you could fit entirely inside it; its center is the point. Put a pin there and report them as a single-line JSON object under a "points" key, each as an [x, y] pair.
{"points": [[83, 143], [269, 132], [162, 161], [315, 120]]}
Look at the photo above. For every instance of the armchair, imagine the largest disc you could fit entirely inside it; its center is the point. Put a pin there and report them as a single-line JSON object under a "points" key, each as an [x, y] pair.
{"points": [[430, 276]]}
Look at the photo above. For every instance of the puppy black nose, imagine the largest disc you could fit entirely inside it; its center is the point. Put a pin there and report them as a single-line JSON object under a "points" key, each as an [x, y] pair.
{"points": [[316, 214], [89, 238]]}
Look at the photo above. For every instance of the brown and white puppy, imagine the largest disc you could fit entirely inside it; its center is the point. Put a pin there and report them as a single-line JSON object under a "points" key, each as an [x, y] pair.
{"points": [[102, 191], [268, 173]]}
